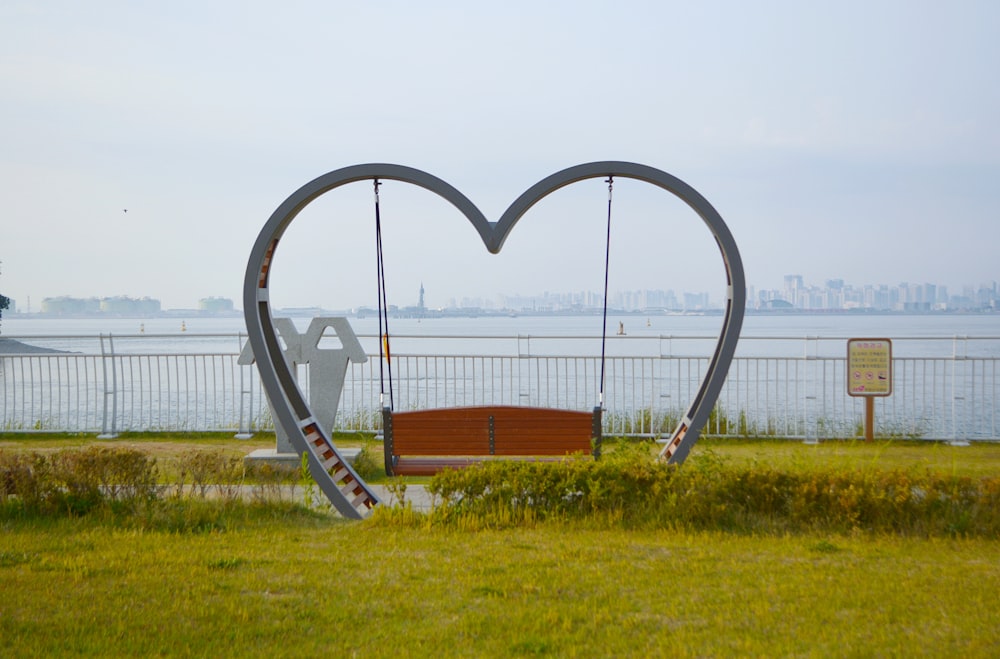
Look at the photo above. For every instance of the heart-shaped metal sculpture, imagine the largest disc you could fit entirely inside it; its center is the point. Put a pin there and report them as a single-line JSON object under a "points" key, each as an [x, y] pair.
{"points": [[351, 496]]}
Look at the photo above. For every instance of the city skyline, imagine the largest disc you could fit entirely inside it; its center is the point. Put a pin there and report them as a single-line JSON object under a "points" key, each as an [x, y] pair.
{"points": [[834, 294], [797, 294]]}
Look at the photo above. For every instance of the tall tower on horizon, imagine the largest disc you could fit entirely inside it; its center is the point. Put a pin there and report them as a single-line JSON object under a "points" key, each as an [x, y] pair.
{"points": [[420, 304], [793, 284]]}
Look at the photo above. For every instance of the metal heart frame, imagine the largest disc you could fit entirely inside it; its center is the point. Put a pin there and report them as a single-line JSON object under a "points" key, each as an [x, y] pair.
{"points": [[288, 403]]}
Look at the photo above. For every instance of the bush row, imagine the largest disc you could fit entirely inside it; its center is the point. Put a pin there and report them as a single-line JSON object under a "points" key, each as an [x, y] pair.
{"points": [[632, 489], [77, 481]]}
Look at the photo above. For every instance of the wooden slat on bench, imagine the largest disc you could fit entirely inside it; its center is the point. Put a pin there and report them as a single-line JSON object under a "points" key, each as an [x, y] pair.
{"points": [[448, 431], [430, 465], [539, 431], [425, 441]]}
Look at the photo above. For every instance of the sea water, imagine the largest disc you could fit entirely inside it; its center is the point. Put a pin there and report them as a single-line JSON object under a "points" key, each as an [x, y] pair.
{"points": [[182, 372], [779, 335]]}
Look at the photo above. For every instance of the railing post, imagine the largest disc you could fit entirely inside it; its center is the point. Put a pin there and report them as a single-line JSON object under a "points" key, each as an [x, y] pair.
{"points": [[809, 389], [107, 433], [958, 392], [246, 403], [523, 355], [243, 432]]}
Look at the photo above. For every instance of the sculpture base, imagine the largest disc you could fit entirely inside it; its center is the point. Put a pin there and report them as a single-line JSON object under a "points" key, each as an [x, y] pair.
{"points": [[272, 456]]}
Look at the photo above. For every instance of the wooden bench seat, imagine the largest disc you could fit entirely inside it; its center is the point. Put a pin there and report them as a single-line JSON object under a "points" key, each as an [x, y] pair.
{"points": [[423, 442]]}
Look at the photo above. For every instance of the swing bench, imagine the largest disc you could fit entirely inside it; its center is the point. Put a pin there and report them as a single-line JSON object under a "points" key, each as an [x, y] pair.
{"points": [[423, 442]]}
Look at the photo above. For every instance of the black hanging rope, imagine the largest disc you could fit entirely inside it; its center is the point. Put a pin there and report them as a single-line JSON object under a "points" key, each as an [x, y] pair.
{"points": [[384, 356], [607, 262]]}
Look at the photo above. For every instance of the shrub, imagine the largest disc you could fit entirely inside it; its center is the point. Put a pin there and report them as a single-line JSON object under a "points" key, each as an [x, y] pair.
{"points": [[632, 489], [85, 478], [369, 464], [77, 481], [199, 468], [26, 478], [229, 477], [271, 481], [123, 483]]}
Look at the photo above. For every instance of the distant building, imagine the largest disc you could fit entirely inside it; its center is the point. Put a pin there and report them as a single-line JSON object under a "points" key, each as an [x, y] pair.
{"points": [[215, 305], [117, 306], [128, 306], [696, 301], [794, 293], [70, 305]]}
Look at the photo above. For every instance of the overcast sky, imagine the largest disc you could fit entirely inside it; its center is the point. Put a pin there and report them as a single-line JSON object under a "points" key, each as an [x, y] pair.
{"points": [[848, 139]]}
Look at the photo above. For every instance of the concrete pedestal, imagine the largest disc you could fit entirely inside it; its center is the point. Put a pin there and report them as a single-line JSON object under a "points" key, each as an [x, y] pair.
{"points": [[291, 458]]}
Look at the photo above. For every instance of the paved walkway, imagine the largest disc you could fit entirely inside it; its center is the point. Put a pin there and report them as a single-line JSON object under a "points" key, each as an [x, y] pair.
{"points": [[417, 495]]}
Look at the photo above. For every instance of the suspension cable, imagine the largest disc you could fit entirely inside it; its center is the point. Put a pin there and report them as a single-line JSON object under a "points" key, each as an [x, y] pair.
{"points": [[384, 357], [607, 262]]}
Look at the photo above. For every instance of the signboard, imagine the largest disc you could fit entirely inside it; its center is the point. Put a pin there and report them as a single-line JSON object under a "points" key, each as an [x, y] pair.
{"points": [[869, 367]]}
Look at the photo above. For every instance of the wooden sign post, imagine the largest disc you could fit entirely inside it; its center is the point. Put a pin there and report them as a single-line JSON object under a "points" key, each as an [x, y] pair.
{"points": [[869, 374]]}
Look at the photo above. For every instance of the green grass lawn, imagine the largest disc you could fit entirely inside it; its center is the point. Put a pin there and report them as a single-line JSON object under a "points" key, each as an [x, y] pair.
{"points": [[306, 586], [278, 580], [977, 459]]}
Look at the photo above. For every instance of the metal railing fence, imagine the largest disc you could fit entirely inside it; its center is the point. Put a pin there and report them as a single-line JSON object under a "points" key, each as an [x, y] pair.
{"points": [[798, 391]]}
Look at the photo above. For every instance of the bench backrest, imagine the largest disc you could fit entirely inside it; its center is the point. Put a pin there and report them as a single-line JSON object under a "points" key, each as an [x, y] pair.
{"points": [[498, 430]]}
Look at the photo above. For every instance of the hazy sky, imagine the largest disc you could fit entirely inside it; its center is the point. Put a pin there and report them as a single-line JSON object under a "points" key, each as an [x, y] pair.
{"points": [[848, 139]]}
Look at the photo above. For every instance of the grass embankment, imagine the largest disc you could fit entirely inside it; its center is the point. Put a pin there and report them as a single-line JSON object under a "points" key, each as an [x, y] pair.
{"points": [[231, 577]]}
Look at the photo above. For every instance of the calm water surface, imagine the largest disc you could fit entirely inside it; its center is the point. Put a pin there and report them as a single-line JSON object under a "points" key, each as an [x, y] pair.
{"points": [[778, 335]]}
